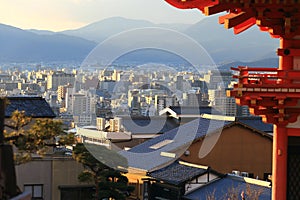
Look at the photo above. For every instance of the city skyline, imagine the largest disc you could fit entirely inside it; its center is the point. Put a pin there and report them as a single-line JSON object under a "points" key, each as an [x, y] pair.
{"points": [[72, 14]]}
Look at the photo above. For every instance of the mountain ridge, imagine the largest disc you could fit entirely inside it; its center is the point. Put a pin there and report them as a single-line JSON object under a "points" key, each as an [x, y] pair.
{"points": [[43, 45], [20, 45]]}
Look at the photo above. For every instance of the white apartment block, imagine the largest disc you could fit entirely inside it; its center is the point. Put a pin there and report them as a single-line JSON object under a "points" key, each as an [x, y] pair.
{"points": [[55, 79], [82, 106], [163, 101], [226, 105]]}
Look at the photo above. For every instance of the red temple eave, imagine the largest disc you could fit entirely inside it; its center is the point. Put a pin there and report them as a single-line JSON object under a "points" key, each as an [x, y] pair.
{"points": [[271, 93], [274, 16], [187, 4]]}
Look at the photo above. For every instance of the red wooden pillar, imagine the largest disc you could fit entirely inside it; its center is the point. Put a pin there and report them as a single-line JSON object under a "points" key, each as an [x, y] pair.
{"points": [[279, 174], [286, 61], [280, 136]]}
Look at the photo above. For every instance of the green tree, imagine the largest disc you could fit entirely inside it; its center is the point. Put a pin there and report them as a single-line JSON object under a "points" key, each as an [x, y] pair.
{"points": [[29, 137], [109, 183], [34, 136]]}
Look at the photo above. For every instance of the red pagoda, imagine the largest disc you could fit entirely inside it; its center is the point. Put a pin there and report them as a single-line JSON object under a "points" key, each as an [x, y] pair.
{"points": [[272, 93]]}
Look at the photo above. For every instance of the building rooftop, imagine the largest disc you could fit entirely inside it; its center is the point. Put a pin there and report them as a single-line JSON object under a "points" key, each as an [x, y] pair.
{"points": [[186, 110], [232, 185], [178, 172], [192, 130], [148, 125], [164, 149], [34, 106], [168, 147], [257, 123]]}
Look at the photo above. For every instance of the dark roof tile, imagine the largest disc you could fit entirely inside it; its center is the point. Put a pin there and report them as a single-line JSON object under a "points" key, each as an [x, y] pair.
{"points": [[221, 187], [35, 107], [148, 155], [200, 125], [146, 125], [257, 123], [177, 173], [186, 110]]}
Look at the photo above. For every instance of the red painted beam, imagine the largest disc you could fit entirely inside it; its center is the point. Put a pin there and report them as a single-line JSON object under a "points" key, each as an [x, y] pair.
{"points": [[211, 10], [188, 4], [293, 132], [244, 25], [229, 15], [238, 19], [288, 52]]}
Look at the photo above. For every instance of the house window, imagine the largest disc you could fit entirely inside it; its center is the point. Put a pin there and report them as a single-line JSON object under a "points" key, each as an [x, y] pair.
{"points": [[77, 192], [36, 191]]}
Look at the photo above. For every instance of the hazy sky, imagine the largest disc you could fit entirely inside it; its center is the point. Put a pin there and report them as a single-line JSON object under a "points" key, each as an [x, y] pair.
{"points": [[59, 15]]}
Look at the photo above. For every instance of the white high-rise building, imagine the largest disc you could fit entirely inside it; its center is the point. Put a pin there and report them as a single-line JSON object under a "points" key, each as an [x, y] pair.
{"points": [[215, 79], [55, 79], [226, 105], [82, 105], [163, 101], [68, 100], [62, 91], [101, 123]]}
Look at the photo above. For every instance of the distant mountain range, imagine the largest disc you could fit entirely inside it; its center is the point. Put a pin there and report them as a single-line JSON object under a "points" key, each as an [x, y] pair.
{"points": [[103, 29], [19, 45], [223, 45], [268, 63]]}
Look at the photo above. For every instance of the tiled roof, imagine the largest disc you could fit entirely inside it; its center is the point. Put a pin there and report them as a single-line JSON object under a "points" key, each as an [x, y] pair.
{"points": [[185, 110], [177, 173], [35, 107], [148, 155], [257, 123], [221, 188], [189, 131], [146, 125], [145, 157]]}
